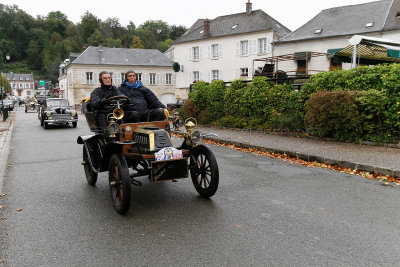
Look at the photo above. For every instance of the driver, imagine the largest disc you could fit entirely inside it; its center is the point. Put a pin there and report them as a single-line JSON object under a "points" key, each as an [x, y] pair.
{"points": [[99, 99], [145, 105]]}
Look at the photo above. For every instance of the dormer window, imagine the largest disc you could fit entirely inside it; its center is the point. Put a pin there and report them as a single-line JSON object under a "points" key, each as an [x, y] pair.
{"points": [[318, 31], [369, 25], [234, 26]]}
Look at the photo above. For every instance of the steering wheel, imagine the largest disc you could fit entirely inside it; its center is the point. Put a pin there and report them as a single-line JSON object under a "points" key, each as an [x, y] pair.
{"points": [[118, 98]]}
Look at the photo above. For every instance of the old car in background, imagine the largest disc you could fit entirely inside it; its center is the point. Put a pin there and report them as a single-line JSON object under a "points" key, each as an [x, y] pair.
{"points": [[175, 106], [31, 104], [56, 111]]}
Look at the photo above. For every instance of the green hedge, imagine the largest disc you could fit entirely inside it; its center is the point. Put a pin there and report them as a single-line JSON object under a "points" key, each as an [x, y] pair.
{"points": [[358, 104]]}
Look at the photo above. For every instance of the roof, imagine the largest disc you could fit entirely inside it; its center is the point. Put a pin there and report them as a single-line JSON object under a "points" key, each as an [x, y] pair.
{"points": [[19, 77], [223, 26], [122, 56], [348, 20]]}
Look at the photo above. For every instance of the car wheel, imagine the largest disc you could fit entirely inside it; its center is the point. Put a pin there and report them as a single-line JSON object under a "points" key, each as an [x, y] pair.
{"points": [[41, 122], [120, 184], [91, 176], [74, 124], [26, 111], [204, 171]]}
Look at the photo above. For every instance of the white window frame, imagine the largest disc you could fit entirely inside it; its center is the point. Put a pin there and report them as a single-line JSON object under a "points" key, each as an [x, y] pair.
{"points": [[153, 79], [214, 75], [21, 86], [89, 77], [262, 46], [27, 85], [244, 72], [214, 51], [196, 53], [196, 76], [168, 78], [139, 76], [28, 92], [244, 48]]}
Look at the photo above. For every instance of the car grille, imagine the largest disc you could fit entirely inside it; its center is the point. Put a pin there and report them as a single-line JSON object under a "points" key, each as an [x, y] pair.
{"points": [[61, 116]]}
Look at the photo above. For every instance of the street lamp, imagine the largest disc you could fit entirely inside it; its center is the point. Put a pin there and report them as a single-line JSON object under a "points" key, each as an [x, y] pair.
{"points": [[3, 110]]}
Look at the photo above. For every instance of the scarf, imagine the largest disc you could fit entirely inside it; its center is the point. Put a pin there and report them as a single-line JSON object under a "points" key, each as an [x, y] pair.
{"points": [[136, 85]]}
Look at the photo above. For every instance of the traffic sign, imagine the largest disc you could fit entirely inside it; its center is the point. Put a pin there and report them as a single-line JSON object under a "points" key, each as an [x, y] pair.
{"points": [[42, 82]]}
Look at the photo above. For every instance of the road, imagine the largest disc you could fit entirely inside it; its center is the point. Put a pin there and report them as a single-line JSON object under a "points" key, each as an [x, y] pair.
{"points": [[266, 213]]}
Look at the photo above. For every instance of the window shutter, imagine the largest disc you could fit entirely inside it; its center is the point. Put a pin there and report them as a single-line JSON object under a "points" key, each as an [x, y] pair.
{"points": [[209, 51], [201, 52], [190, 54], [253, 48], [200, 76], [157, 78], [238, 48], [190, 78], [173, 78], [95, 78], [220, 51], [164, 78], [220, 75], [269, 45], [250, 72], [83, 79], [209, 76]]}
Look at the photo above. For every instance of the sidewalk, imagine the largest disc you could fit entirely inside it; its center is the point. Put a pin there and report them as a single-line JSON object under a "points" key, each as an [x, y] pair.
{"points": [[370, 158], [6, 129]]}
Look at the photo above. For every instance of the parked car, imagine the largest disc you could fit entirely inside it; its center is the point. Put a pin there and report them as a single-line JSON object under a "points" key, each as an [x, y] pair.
{"points": [[21, 101], [174, 106], [57, 111]]}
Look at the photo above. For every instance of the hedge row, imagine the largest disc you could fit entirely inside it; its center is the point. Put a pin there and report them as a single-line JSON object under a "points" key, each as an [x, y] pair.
{"points": [[357, 104]]}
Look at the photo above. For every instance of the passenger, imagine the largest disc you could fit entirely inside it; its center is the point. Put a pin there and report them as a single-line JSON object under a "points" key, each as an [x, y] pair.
{"points": [[144, 104], [99, 99]]}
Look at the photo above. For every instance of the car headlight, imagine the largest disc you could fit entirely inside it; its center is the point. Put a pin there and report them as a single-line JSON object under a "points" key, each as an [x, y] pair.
{"points": [[73, 114], [48, 114], [196, 136]]}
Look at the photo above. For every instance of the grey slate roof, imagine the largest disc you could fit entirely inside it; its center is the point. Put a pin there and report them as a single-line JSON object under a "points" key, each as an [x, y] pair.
{"points": [[347, 20], [19, 77], [222, 26], [123, 56]]}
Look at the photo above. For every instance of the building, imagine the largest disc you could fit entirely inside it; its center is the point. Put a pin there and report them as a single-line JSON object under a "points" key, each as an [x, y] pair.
{"points": [[22, 84], [224, 48], [79, 73], [331, 30]]}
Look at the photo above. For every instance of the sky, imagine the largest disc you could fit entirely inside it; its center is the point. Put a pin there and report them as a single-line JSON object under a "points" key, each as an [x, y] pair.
{"points": [[291, 13]]}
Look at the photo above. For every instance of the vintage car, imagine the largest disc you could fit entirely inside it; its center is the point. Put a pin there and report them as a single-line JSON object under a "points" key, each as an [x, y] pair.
{"points": [[31, 104], [145, 149], [56, 111]]}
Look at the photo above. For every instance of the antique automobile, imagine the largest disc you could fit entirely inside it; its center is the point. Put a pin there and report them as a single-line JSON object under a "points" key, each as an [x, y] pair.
{"points": [[31, 104], [145, 149], [56, 111]]}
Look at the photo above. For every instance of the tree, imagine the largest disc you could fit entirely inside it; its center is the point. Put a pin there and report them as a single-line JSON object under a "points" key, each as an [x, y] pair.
{"points": [[159, 28], [56, 22], [177, 31], [136, 42], [163, 46], [89, 24], [149, 41]]}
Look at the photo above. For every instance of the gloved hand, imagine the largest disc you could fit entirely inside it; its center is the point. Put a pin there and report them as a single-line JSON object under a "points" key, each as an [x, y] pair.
{"points": [[104, 102]]}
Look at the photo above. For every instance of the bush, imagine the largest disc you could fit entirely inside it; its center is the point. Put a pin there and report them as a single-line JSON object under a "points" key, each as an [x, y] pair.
{"points": [[333, 115]]}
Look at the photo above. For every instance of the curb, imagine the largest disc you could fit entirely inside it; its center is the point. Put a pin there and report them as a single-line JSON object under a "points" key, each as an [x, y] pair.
{"points": [[309, 157], [5, 141]]}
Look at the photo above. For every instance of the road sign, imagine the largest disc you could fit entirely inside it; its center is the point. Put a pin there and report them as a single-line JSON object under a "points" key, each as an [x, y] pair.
{"points": [[42, 82]]}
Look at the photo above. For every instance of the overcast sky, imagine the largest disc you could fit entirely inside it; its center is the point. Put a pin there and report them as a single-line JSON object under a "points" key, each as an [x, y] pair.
{"points": [[291, 13]]}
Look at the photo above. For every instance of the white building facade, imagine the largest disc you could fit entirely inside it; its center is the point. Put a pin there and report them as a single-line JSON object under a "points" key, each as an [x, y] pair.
{"points": [[22, 84]]}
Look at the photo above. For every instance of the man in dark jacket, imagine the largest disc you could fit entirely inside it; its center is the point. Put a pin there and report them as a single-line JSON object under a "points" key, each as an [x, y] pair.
{"points": [[144, 104], [99, 99]]}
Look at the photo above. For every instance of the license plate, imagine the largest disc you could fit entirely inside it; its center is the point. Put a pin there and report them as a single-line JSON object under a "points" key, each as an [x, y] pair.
{"points": [[168, 153]]}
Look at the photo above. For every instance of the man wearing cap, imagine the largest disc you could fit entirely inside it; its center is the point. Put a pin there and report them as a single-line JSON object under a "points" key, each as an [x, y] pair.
{"points": [[144, 104]]}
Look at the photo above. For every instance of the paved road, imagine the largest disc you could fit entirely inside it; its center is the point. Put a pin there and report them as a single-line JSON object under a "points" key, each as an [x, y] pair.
{"points": [[265, 213]]}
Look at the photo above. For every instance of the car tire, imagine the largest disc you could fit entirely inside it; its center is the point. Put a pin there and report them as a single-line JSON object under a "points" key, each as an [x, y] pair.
{"points": [[204, 171], [74, 124], [46, 125], [26, 111], [91, 176], [120, 183]]}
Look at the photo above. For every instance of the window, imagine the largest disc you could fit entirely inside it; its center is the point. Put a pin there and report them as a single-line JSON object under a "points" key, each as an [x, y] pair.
{"points": [[21, 86], [262, 45], [89, 77], [152, 78], [301, 67], [27, 85], [215, 75], [116, 78], [244, 48], [196, 53], [214, 51], [196, 76], [138, 76], [244, 72], [122, 76], [168, 78], [14, 85], [28, 92]]}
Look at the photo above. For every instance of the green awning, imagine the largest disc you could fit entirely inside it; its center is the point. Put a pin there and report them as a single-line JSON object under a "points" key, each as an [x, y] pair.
{"points": [[393, 53], [332, 51], [302, 55]]}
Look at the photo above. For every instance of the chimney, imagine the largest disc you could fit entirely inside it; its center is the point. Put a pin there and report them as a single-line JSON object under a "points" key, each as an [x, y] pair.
{"points": [[206, 32], [248, 8]]}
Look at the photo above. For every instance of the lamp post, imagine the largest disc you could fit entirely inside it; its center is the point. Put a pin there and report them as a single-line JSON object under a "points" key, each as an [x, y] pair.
{"points": [[4, 111]]}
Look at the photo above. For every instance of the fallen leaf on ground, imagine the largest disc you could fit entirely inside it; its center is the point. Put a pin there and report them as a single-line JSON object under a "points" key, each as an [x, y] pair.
{"points": [[2, 218], [1, 207], [18, 209], [2, 195]]}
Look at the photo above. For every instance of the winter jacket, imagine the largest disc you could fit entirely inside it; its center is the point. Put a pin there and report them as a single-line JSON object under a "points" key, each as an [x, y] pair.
{"points": [[141, 98], [101, 93]]}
